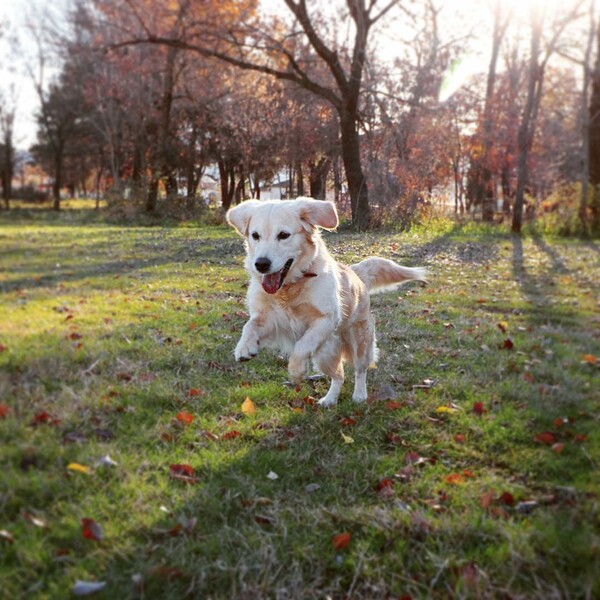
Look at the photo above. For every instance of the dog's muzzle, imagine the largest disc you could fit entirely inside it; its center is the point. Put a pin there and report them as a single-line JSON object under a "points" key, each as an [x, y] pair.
{"points": [[272, 282]]}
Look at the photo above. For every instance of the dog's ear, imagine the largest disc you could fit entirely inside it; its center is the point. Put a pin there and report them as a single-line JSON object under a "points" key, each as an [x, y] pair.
{"points": [[318, 213], [239, 216]]}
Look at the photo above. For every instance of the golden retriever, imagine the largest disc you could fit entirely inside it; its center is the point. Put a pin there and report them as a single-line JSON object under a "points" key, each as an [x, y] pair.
{"points": [[304, 303]]}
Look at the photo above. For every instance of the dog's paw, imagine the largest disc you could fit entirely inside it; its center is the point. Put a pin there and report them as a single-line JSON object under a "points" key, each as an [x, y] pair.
{"points": [[359, 398], [245, 351], [327, 401], [297, 369]]}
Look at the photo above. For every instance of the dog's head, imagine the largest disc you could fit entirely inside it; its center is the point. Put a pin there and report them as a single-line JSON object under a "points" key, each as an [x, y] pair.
{"points": [[280, 236]]}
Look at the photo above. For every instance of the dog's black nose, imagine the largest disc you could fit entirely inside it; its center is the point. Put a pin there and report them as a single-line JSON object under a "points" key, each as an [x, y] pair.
{"points": [[262, 264]]}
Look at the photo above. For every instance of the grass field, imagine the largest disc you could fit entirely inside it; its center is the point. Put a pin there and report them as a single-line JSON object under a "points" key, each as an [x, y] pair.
{"points": [[136, 454]]}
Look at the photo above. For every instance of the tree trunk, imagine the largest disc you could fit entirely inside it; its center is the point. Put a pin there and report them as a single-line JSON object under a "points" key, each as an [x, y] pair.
{"points": [[152, 195], [299, 178], [526, 127], [594, 142], [318, 178], [57, 184], [357, 184]]}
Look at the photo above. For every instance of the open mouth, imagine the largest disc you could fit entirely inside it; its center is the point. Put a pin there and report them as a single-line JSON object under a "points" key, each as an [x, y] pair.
{"points": [[273, 281]]}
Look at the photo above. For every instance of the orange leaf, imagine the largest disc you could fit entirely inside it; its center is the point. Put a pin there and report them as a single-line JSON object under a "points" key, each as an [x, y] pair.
{"points": [[589, 358], [182, 472], [347, 421], [459, 438], [248, 407], [487, 499], [454, 479], [195, 392], [185, 417], [341, 540], [230, 435]]}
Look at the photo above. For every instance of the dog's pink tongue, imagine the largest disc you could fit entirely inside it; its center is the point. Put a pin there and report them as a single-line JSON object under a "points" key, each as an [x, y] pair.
{"points": [[270, 282]]}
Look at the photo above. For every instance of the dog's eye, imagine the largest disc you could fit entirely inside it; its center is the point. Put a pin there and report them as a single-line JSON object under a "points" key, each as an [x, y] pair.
{"points": [[283, 235], [255, 236]]}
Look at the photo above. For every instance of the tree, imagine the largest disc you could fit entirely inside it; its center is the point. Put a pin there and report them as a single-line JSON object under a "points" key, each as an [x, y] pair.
{"points": [[594, 139], [7, 149], [303, 57]]}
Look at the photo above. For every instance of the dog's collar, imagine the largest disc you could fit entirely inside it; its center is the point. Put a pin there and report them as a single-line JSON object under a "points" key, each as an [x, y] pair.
{"points": [[309, 274]]}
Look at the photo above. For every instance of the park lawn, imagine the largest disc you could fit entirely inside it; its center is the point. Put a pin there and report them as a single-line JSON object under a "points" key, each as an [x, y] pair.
{"points": [[472, 472]]}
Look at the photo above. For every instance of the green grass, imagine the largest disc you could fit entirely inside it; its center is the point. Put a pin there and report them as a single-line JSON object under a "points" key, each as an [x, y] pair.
{"points": [[108, 329]]}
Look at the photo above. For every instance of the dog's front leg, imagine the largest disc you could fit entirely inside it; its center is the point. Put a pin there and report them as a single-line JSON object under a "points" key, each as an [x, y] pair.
{"points": [[319, 331], [254, 330]]}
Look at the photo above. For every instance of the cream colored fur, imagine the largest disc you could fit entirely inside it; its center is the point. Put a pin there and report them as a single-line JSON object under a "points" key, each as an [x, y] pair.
{"points": [[322, 311]]}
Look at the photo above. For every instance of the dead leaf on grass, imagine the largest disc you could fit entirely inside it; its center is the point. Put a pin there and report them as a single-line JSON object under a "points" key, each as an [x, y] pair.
{"points": [[341, 540], [91, 530]]}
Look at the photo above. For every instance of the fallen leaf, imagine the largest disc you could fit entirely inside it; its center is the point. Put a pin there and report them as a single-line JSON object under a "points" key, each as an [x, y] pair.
{"points": [[3, 348], [508, 344], [86, 588], [230, 435], [106, 461], [4, 410], [589, 358], [558, 447], [194, 392], [248, 407], [312, 487], [43, 417], [185, 417], [487, 499], [341, 540], [454, 479], [503, 326], [34, 520], [385, 489], [507, 498], [347, 422], [479, 409], [91, 530], [7, 536], [546, 438], [459, 438], [182, 472], [347, 439], [445, 409], [394, 405], [79, 468], [272, 475]]}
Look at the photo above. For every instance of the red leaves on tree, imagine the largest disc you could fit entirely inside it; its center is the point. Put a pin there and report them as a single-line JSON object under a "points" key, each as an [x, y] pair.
{"points": [[341, 540], [91, 530]]}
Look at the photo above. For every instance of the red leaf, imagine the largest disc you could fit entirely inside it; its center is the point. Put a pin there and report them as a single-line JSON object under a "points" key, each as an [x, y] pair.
{"points": [[341, 540], [185, 417], [230, 435], [507, 498], [195, 392], [394, 405], [468, 473], [4, 410], [508, 344], [3, 348], [459, 438], [558, 447], [546, 438], [183, 473], [74, 336], [385, 489], [43, 417], [91, 530], [348, 421], [581, 437], [479, 409]]}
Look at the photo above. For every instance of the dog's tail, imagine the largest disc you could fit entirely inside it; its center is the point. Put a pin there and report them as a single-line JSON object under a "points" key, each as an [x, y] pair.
{"points": [[380, 274]]}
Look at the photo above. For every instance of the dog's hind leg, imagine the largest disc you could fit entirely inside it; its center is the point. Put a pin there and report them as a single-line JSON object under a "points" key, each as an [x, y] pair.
{"points": [[364, 353], [329, 362]]}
